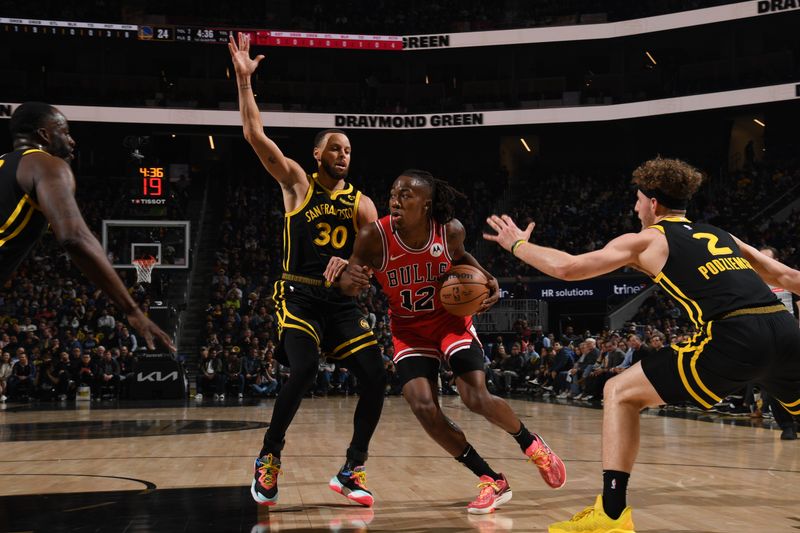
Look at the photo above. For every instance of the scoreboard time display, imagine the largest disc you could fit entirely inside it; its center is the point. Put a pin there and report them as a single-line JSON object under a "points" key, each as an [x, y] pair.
{"points": [[151, 186]]}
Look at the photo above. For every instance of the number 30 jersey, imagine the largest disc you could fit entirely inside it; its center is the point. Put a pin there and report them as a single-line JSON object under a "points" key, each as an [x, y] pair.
{"points": [[324, 225], [410, 277]]}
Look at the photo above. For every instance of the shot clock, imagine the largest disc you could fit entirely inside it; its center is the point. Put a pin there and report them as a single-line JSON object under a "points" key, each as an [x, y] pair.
{"points": [[151, 186]]}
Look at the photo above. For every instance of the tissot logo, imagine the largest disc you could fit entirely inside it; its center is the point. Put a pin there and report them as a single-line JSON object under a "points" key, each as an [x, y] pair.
{"points": [[426, 41], [770, 6]]}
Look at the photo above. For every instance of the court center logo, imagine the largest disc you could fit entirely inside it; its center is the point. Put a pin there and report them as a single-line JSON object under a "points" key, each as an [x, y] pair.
{"points": [[364, 324], [437, 249]]}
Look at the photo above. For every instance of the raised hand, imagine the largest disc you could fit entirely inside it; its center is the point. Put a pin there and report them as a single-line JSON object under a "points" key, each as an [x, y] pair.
{"points": [[240, 55], [149, 331], [507, 231]]}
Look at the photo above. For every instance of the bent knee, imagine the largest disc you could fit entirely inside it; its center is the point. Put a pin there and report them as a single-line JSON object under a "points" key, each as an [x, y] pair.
{"points": [[425, 411], [620, 390]]}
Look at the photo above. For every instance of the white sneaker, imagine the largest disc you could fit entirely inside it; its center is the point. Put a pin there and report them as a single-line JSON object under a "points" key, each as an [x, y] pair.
{"points": [[221, 396], [563, 396], [3, 398], [588, 397], [61, 397], [241, 395], [198, 396], [216, 396], [579, 397]]}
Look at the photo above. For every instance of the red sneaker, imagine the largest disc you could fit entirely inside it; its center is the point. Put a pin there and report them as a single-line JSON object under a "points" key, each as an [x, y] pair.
{"points": [[551, 467], [353, 485], [494, 493]]}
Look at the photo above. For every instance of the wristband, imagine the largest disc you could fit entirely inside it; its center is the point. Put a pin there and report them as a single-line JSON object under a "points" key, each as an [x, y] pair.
{"points": [[244, 86], [517, 245]]}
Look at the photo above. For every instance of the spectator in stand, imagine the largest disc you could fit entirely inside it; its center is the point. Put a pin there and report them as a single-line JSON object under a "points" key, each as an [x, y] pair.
{"points": [[48, 383], [21, 381], [234, 372], [324, 375], [108, 372], [509, 369], [5, 372], [64, 373], [86, 374], [105, 322], [609, 358], [266, 383]]}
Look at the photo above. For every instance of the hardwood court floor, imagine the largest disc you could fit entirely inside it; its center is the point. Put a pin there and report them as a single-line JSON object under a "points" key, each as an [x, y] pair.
{"points": [[188, 468]]}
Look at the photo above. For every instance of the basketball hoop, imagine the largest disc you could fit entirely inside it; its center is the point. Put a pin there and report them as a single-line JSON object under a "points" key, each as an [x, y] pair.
{"points": [[144, 268]]}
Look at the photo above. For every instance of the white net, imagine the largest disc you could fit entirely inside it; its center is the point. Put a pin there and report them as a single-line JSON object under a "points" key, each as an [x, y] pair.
{"points": [[144, 269]]}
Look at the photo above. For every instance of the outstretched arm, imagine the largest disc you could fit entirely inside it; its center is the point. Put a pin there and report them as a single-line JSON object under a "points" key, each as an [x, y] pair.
{"points": [[623, 251], [286, 171], [771, 270], [367, 256], [54, 187], [455, 244]]}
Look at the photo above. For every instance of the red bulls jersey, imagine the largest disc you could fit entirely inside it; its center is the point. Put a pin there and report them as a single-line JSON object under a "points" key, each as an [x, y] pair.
{"points": [[410, 277]]}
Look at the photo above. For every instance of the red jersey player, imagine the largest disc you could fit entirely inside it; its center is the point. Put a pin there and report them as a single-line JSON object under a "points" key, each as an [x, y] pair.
{"points": [[408, 251]]}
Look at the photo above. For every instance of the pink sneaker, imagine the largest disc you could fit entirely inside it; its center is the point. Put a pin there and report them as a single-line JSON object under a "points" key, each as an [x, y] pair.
{"points": [[551, 467], [494, 493]]}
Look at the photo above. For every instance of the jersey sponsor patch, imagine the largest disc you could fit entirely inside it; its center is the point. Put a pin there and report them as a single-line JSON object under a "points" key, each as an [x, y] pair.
{"points": [[437, 249]]}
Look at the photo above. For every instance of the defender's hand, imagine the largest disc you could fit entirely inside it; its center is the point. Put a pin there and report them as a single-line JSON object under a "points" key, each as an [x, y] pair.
{"points": [[334, 269], [507, 231]]}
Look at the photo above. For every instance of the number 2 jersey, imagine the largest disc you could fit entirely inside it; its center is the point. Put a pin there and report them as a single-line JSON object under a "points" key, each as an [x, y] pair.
{"points": [[410, 279], [706, 273]]}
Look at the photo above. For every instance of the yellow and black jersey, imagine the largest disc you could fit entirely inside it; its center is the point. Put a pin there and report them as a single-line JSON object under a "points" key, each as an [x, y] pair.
{"points": [[23, 222], [706, 273], [324, 225]]}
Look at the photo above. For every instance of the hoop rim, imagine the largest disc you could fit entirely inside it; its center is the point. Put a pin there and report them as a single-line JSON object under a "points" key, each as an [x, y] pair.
{"points": [[145, 262]]}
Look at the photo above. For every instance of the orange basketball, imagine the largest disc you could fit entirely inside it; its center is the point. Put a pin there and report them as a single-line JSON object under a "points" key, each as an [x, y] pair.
{"points": [[463, 290]]}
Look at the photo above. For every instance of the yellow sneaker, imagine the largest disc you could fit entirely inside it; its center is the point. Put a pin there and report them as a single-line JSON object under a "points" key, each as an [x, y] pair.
{"points": [[595, 520]]}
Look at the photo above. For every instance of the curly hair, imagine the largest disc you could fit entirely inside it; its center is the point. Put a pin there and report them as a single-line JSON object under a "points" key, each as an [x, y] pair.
{"points": [[672, 177], [443, 195]]}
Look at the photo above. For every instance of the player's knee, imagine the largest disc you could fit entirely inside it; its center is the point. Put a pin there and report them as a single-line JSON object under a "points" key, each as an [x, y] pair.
{"points": [[425, 411], [615, 391], [476, 402]]}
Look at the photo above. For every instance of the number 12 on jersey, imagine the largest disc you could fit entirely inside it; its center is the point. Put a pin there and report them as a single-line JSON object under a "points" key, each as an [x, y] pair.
{"points": [[423, 299]]}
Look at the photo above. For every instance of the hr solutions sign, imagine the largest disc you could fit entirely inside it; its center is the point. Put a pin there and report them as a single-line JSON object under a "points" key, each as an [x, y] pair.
{"points": [[590, 289]]}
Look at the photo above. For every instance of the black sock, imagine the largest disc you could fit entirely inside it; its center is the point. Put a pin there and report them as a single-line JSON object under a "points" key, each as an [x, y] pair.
{"points": [[272, 447], [615, 488], [472, 460], [523, 437], [354, 459]]}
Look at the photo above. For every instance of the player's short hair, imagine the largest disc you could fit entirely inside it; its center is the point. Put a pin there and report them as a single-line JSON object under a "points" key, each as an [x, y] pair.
{"points": [[319, 137], [443, 195], [29, 117], [674, 179]]}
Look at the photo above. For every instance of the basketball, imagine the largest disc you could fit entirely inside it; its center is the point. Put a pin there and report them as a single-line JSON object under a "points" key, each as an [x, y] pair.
{"points": [[463, 290]]}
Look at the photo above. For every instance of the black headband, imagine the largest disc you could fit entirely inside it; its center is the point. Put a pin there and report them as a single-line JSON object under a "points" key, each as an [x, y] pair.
{"points": [[666, 200]]}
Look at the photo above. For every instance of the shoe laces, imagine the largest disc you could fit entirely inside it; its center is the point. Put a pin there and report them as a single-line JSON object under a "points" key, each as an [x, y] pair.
{"points": [[583, 514], [541, 457], [269, 471], [360, 478], [487, 485]]}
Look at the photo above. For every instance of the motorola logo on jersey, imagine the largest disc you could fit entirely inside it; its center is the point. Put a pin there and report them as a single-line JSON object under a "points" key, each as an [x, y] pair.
{"points": [[437, 249]]}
